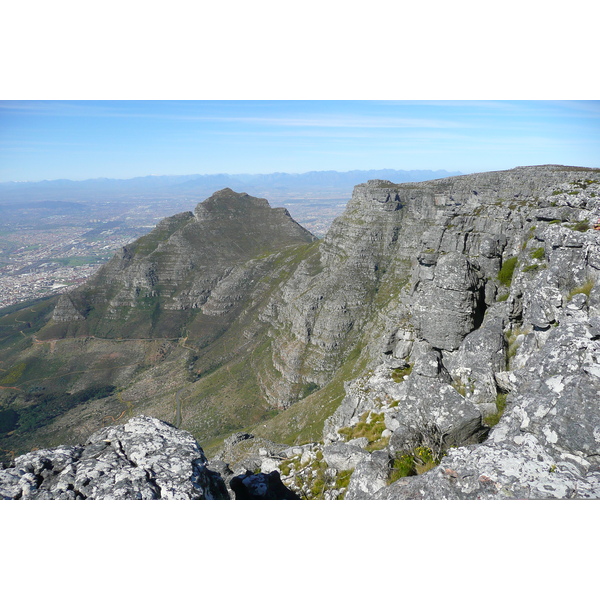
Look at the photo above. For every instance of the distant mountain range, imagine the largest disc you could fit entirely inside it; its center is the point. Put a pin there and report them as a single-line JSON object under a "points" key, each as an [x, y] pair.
{"points": [[273, 184]]}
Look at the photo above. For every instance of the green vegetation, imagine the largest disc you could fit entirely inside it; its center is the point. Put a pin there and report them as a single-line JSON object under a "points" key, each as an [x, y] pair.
{"points": [[492, 420], [308, 389], [538, 253], [8, 420], [585, 288], [583, 184], [579, 226], [463, 388], [48, 406], [402, 466], [513, 346], [400, 374], [370, 428], [14, 374], [390, 284], [506, 272], [534, 267], [79, 261], [303, 422], [343, 479], [319, 482], [423, 459], [310, 480]]}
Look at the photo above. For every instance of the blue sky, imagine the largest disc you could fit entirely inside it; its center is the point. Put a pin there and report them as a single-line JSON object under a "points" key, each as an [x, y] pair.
{"points": [[121, 139]]}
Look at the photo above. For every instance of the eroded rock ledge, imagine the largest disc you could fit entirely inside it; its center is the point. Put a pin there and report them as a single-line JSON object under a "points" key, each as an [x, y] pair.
{"points": [[143, 459]]}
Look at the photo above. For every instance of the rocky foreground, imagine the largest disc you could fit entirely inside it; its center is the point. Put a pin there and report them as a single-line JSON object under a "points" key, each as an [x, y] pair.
{"points": [[143, 459]]}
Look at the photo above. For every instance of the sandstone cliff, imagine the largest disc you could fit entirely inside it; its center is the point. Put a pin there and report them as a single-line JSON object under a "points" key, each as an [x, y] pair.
{"points": [[488, 358]]}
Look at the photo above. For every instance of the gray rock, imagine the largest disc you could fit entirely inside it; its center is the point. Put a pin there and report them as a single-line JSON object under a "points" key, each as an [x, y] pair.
{"points": [[370, 476], [547, 444], [144, 459], [428, 362], [360, 442], [449, 306], [343, 457], [427, 402], [405, 439], [475, 364]]}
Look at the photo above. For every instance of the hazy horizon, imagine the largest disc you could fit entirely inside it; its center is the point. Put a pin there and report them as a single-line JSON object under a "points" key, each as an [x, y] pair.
{"points": [[227, 174], [80, 140]]}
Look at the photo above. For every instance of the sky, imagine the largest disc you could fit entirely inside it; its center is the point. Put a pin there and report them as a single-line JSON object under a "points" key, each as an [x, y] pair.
{"points": [[85, 139]]}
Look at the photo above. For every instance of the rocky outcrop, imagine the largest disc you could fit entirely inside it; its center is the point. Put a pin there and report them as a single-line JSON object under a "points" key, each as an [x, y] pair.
{"points": [[487, 382], [547, 443], [65, 310], [144, 459], [420, 260], [535, 350], [448, 299]]}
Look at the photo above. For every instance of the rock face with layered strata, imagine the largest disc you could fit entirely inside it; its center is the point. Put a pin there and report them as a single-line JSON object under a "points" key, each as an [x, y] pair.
{"points": [[207, 261], [420, 260], [533, 340]]}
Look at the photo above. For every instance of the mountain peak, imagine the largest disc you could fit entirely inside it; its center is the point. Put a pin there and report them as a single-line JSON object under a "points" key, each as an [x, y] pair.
{"points": [[228, 200], [179, 265]]}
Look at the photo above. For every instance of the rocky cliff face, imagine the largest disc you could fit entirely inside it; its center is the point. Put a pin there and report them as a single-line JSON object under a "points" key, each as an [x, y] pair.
{"points": [[415, 261], [490, 360]]}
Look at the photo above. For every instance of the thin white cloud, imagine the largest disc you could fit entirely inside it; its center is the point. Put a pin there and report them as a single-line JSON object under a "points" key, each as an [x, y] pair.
{"points": [[344, 122], [318, 121]]}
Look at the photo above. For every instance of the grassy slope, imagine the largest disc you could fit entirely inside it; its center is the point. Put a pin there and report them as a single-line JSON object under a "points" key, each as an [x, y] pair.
{"points": [[217, 378]]}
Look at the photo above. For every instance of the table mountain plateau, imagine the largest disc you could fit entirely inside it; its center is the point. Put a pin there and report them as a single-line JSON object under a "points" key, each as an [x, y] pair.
{"points": [[441, 341]]}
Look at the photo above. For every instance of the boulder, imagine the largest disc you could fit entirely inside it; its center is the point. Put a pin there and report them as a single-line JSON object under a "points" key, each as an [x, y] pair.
{"points": [[450, 304], [143, 459], [369, 477], [343, 457]]}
